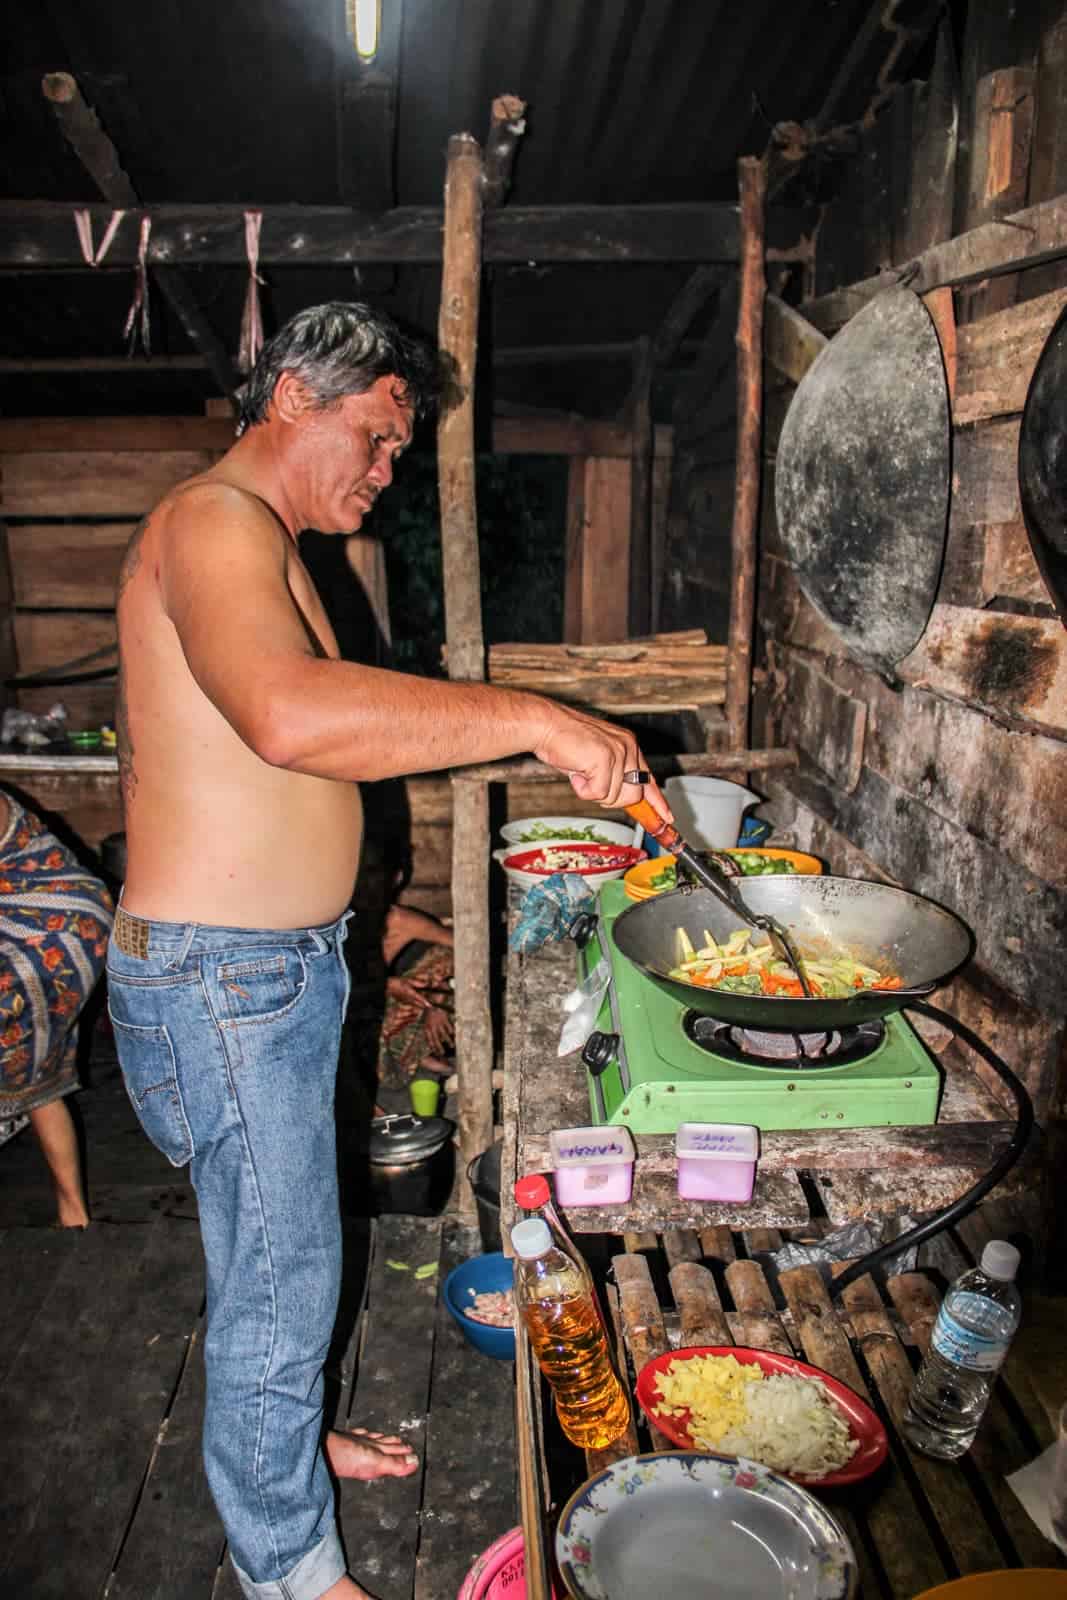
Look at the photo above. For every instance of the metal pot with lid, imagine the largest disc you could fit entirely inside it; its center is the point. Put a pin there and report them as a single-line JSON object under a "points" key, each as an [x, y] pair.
{"points": [[411, 1163]]}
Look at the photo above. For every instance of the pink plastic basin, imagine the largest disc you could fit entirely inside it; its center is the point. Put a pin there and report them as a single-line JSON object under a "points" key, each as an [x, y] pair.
{"points": [[499, 1572]]}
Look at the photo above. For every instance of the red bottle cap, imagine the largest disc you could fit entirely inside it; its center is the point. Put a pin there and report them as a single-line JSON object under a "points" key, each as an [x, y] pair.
{"points": [[531, 1193]]}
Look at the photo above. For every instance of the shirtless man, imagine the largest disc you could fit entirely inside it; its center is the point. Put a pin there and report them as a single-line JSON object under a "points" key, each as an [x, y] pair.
{"points": [[242, 739]]}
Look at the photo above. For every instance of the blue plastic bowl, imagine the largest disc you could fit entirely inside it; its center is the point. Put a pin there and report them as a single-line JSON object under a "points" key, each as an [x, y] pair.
{"points": [[482, 1275]]}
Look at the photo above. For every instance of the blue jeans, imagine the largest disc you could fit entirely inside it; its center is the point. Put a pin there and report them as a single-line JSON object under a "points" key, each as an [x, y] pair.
{"points": [[228, 1040]]}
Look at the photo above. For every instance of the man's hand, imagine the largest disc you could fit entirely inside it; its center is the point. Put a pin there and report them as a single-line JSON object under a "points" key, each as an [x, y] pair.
{"points": [[596, 756]]}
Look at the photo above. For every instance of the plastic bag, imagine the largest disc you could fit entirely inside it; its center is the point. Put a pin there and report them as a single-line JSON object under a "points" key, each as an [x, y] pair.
{"points": [[582, 1006]]}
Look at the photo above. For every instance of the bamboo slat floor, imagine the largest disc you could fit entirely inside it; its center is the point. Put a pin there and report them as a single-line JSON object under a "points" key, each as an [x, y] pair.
{"points": [[917, 1522], [101, 1339]]}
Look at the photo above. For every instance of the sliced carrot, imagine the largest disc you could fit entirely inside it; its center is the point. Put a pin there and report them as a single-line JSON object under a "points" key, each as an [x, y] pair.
{"points": [[736, 969], [888, 983]]}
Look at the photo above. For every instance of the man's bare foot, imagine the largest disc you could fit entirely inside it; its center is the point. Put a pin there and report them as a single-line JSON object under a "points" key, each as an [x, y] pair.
{"points": [[359, 1454], [71, 1213]]}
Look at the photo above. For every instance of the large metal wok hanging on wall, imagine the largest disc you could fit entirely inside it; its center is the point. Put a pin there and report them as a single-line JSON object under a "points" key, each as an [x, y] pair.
{"points": [[862, 478], [1043, 463]]}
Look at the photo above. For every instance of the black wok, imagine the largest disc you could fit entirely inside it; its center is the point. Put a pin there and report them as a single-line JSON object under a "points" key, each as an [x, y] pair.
{"points": [[904, 934]]}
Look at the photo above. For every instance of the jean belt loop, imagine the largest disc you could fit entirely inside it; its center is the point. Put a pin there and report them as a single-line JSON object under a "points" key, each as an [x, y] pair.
{"points": [[321, 945], [176, 964], [342, 931]]}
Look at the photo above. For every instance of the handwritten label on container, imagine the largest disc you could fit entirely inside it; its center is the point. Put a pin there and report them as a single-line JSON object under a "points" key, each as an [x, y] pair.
{"points": [[583, 1152]]}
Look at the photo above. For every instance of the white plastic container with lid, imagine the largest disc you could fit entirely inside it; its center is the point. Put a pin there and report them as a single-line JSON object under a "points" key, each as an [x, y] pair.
{"points": [[716, 1160], [592, 1166]]}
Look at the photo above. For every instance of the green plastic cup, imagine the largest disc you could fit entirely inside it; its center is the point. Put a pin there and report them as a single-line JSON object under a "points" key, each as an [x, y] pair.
{"points": [[424, 1092]]}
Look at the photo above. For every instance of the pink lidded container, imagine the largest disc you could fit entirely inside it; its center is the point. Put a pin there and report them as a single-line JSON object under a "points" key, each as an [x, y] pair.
{"points": [[592, 1166], [716, 1160]]}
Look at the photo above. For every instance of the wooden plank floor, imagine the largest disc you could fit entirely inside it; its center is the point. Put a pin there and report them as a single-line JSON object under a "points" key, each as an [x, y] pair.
{"points": [[101, 1358]]}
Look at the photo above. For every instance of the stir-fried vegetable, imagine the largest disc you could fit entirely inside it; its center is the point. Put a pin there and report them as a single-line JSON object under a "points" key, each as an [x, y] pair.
{"points": [[741, 965]]}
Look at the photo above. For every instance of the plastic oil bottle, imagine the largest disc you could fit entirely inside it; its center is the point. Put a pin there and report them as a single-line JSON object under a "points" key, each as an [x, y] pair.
{"points": [[533, 1194], [970, 1339], [552, 1295]]}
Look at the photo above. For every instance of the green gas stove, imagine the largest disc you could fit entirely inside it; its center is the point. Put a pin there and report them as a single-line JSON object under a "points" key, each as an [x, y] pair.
{"points": [[653, 1065]]}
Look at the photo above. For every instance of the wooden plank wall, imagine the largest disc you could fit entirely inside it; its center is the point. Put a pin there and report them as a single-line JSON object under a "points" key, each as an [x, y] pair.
{"points": [[952, 784], [69, 513]]}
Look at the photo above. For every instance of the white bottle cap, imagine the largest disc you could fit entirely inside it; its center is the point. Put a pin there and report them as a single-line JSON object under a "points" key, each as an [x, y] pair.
{"points": [[1000, 1259], [531, 1238]]}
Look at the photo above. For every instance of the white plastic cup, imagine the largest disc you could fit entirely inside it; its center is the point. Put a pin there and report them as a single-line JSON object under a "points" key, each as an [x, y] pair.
{"points": [[708, 811]]}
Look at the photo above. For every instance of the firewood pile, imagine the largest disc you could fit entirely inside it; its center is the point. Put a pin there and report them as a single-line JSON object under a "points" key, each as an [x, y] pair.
{"points": [[664, 672]]}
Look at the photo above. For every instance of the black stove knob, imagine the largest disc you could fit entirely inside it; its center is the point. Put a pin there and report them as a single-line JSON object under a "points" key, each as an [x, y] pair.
{"points": [[583, 928], [599, 1051]]}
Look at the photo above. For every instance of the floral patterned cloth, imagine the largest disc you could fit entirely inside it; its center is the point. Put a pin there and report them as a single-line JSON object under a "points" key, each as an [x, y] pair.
{"points": [[55, 918], [403, 1042]]}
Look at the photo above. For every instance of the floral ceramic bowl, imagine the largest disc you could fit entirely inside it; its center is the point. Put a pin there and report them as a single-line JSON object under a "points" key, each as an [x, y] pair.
{"points": [[701, 1525]]}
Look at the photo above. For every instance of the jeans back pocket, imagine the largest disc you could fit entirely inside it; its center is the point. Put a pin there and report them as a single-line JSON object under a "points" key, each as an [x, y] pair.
{"points": [[149, 1072]]}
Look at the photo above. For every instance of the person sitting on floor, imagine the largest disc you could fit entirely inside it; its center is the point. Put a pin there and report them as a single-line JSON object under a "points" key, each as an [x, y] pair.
{"points": [[418, 1029], [55, 918]]}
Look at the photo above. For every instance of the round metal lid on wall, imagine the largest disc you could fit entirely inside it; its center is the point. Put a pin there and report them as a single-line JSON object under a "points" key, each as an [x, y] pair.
{"points": [[1043, 463], [862, 478]]}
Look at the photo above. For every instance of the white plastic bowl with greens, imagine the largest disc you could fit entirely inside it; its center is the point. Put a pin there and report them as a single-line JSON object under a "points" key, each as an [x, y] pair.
{"points": [[574, 830]]}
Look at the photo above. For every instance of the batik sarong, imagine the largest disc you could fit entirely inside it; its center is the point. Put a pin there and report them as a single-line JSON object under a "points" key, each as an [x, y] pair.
{"points": [[55, 918]]}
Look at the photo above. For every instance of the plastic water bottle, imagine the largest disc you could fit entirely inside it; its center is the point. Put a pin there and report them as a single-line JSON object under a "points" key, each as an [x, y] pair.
{"points": [[553, 1298], [974, 1327]]}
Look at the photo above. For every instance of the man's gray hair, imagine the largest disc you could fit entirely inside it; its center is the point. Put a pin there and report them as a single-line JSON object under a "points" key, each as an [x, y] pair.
{"points": [[341, 347]]}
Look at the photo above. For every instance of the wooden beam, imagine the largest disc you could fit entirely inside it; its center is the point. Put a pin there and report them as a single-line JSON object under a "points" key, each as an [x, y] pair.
{"points": [[506, 128], [135, 368], [82, 130], [36, 435], [40, 233], [753, 177], [535, 435], [1025, 239], [457, 334], [640, 420], [708, 764], [570, 436], [790, 341], [519, 355]]}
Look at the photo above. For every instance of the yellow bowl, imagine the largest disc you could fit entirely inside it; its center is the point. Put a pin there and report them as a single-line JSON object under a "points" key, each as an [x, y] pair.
{"points": [[638, 881], [1018, 1583]]}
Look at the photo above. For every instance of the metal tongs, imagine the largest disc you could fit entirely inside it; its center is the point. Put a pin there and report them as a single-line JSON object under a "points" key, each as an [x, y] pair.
{"points": [[711, 876]]}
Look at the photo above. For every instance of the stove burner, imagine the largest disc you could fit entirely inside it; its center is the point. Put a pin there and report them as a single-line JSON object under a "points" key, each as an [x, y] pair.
{"points": [[776, 1047]]}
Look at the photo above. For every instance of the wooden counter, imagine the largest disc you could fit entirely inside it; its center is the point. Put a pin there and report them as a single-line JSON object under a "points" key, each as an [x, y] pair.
{"points": [[845, 1173], [913, 1524]]}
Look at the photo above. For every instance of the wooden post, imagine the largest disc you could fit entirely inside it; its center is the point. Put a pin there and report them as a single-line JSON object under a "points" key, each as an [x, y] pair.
{"points": [[506, 128], [753, 180], [458, 338], [640, 419]]}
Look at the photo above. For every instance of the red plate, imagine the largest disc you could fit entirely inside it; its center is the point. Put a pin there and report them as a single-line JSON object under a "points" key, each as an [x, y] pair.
{"points": [[599, 857], [863, 1425]]}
